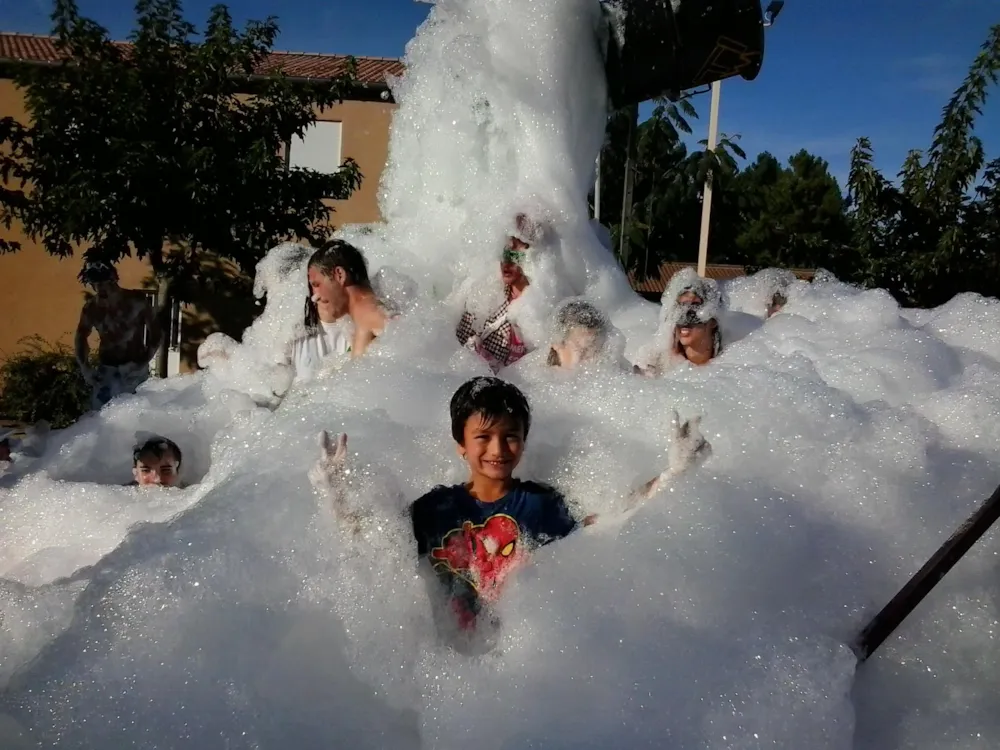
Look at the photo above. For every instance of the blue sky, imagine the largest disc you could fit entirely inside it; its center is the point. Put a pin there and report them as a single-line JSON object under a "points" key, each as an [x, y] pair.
{"points": [[834, 70]]}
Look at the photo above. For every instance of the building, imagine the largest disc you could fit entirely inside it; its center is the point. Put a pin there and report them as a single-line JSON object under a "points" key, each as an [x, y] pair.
{"points": [[40, 294]]}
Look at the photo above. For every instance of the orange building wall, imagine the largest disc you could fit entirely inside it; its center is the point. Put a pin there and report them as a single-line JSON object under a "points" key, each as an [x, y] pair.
{"points": [[40, 294]]}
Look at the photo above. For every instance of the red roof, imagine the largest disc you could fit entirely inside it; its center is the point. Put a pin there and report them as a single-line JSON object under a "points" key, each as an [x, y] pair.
{"points": [[658, 282], [371, 70]]}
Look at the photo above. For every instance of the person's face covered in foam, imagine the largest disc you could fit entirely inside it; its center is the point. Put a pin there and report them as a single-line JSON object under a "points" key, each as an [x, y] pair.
{"points": [[156, 470], [692, 332]]}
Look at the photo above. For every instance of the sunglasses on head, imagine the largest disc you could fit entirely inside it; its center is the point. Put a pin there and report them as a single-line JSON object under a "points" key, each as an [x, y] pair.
{"points": [[513, 256]]}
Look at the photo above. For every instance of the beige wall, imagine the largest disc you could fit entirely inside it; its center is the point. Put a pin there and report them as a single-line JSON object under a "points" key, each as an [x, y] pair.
{"points": [[40, 294]]}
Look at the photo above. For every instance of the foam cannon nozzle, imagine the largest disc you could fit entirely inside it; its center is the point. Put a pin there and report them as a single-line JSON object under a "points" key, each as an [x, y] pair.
{"points": [[664, 47]]}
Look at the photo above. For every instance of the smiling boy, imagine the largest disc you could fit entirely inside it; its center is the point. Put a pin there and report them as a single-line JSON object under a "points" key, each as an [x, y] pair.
{"points": [[474, 535]]}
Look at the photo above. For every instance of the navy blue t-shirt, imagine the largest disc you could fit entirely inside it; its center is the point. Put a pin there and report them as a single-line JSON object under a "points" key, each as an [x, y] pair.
{"points": [[472, 546]]}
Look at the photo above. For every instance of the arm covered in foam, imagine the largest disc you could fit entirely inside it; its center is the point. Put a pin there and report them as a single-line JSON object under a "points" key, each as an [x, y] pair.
{"points": [[687, 449]]}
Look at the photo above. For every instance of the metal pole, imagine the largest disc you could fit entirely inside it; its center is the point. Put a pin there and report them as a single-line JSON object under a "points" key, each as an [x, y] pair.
{"points": [[630, 157], [597, 190], [925, 579], [706, 201]]}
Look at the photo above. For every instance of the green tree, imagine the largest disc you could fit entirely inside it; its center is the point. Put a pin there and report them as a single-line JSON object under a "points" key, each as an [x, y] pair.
{"points": [[664, 213], [154, 148], [934, 233], [791, 217]]}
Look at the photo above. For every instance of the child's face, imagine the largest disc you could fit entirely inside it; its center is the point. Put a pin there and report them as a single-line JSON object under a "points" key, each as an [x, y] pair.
{"points": [[492, 451], [151, 470]]}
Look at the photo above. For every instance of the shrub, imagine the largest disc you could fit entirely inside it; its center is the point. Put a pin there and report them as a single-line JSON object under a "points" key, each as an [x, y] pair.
{"points": [[42, 381]]}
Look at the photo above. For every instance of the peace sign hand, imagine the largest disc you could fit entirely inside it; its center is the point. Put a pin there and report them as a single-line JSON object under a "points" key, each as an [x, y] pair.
{"points": [[688, 447], [330, 472]]}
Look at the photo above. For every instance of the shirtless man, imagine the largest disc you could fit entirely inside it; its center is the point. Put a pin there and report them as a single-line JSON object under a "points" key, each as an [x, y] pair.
{"points": [[343, 287], [129, 333]]}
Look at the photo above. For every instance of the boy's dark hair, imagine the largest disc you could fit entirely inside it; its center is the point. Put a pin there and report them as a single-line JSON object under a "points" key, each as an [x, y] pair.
{"points": [[333, 254], [491, 398], [158, 447]]}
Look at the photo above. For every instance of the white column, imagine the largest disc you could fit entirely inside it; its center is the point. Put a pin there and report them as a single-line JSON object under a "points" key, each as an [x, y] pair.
{"points": [[706, 201]]}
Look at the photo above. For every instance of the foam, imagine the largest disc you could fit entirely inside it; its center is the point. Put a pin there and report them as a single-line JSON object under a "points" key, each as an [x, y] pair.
{"points": [[850, 437]]}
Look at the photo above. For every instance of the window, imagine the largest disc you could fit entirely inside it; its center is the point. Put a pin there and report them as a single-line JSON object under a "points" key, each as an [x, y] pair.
{"points": [[319, 149]]}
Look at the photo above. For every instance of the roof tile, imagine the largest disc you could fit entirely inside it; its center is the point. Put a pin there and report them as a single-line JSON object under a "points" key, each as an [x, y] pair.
{"points": [[370, 70], [657, 283]]}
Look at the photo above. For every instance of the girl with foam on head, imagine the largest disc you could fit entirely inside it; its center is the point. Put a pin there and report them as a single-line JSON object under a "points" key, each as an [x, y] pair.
{"points": [[689, 325], [497, 340]]}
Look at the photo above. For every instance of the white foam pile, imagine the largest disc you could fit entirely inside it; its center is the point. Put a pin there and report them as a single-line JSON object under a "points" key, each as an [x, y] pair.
{"points": [[849, 437]]}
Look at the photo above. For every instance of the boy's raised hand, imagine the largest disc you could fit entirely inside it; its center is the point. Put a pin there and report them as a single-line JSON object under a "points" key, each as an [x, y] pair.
{"points": [[688, 446], [330, 476]]}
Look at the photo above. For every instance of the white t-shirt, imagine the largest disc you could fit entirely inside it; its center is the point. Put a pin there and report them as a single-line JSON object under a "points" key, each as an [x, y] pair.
{"points": [[307, 353]]}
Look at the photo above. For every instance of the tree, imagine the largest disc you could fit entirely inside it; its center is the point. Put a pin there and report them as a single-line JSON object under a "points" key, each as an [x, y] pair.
{"points": [[154, 148], [663, 217], [792, 217], [934, 234]]}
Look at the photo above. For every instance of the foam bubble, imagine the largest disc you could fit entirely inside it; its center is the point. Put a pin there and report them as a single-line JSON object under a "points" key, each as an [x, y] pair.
{"points": [[850, 437]]}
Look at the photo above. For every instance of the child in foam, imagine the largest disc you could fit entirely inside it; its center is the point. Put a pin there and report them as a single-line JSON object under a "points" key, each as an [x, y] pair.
{"points": [[472, 536], [689, 325], [582, 334], [497, 340], [156, 462]]}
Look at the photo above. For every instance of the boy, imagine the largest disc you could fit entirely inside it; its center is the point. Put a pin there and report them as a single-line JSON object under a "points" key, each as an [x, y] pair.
{"points": [[156, 463], [475, 534]]}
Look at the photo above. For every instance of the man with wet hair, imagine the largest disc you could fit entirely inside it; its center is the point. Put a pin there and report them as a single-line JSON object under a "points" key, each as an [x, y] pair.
{"points": [[129, 334], [338, 286], [156, 462], [472, 536]]}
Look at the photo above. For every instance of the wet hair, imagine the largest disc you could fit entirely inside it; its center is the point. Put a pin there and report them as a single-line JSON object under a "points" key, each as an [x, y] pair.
{"points": [[579, 313], [491, 398], [779, 298], [96, 272], [157, 447], [333, 254]]}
